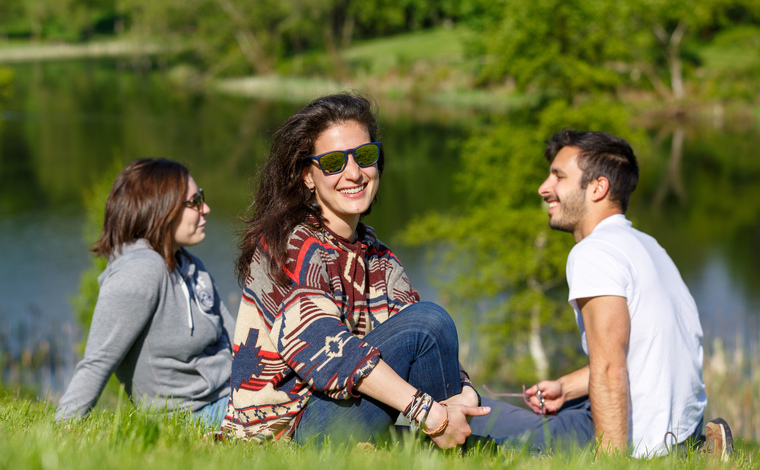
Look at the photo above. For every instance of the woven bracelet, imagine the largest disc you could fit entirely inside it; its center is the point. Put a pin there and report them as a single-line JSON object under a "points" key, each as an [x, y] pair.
{"points": [[439, 430]]}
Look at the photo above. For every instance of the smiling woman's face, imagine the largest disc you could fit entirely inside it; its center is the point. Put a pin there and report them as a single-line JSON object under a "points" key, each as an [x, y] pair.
{"points": [[345, 196]]}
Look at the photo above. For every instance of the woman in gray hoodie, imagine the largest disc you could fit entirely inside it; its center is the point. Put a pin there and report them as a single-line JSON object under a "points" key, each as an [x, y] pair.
{"points": [[159, 323]]}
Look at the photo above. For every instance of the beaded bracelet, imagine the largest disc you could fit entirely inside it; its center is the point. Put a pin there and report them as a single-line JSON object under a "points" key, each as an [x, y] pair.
{"points": [[417, 411], [427, 405]]}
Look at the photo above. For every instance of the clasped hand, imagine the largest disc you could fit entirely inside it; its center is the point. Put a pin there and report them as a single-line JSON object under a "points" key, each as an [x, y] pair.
{"points": [[460, 409]]}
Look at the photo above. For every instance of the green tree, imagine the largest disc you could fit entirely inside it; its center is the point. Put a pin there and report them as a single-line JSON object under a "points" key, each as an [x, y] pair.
{"points": [[572, 47], [497, 257], [79, 19], [12, 14], [559, 47], [71, 20], [666, 32], [222, 33]]}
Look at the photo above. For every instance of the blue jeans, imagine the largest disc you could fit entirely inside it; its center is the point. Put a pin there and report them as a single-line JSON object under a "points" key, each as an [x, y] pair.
{"points": [[420, 343], [511, 425], [213, 414], [572, 427]]}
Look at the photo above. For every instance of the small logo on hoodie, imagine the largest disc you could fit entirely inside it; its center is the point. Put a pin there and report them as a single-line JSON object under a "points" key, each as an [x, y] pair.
{"points": [[205, 299]]}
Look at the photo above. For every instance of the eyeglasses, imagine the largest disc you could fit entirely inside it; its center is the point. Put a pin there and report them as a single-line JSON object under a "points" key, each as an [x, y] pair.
{"points": [[334, 161], [197, 201]]}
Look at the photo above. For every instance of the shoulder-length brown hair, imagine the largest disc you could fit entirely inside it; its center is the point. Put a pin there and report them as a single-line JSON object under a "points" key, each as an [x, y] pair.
{"points": [[282, 200], [144, 202]]}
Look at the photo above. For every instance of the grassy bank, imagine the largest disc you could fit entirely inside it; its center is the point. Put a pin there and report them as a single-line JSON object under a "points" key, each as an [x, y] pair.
{"points": [[27, 52], [430, 67], [125, 438]]}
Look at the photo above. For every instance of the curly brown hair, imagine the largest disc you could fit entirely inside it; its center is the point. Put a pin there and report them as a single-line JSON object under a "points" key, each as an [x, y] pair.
{"points": [[282, 200]]}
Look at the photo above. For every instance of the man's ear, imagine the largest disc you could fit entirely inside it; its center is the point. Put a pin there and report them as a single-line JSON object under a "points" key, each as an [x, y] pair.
{"points": [[601, 186]]}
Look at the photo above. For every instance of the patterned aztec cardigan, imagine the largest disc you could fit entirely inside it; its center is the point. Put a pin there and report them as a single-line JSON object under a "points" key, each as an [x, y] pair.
{"points": [[290, 341]]}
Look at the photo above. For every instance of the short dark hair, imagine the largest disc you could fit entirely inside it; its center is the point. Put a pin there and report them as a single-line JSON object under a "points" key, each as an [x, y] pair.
{"points": [[601, 154], [144, 202], [282, 200]]}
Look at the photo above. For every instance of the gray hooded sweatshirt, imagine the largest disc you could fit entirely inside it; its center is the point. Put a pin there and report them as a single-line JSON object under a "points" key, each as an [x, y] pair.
{"points": [[165, 335]]}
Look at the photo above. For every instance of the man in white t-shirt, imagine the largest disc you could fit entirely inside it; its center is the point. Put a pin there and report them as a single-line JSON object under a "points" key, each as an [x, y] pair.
{"points": [[639, 324]]}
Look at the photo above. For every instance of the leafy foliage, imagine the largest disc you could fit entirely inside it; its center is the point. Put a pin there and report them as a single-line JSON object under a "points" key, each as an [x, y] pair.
{"points": [[560, 47], [567, 48], [577, 56], [71, 20], [731, 63], [509, 267], [222, 34]]}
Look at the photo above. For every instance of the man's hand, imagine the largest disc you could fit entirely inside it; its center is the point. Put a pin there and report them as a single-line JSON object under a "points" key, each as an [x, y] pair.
{"points": [[551, 392], [557, 392]]}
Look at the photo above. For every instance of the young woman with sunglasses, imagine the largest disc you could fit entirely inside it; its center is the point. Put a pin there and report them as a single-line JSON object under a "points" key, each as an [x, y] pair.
{"points": [[331, 338], [158, 323]]}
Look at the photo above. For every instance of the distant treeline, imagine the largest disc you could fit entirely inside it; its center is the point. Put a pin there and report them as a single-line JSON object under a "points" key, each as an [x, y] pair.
{"points": [[295, 25], [564, 47]]}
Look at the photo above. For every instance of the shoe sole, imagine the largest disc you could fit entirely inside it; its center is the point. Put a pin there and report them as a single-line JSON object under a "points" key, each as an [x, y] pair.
{"points": [[719, 436]]}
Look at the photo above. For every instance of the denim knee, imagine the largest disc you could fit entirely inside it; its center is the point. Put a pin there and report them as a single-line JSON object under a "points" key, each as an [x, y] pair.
{"points": [[431, 318]]}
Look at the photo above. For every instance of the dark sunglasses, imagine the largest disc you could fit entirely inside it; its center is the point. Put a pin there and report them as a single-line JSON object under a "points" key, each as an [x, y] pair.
{"points": [[197, 201], [335, 161]]}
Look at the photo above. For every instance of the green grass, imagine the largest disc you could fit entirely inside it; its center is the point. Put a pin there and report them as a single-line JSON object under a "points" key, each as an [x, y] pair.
{"points": [[441, 45], [429, 66], [126, 438], [290, 89]]}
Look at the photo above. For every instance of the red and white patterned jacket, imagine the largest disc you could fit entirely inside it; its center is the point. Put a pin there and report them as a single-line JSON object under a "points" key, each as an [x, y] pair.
{"points": [[290, 341]]}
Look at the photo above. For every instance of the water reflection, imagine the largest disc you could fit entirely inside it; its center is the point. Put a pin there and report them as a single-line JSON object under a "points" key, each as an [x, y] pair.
{"points": [[68, 122], [697, 196]]}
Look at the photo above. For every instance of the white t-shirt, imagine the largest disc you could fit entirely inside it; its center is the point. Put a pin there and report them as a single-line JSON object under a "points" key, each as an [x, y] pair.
{"points": [[665, 350]]}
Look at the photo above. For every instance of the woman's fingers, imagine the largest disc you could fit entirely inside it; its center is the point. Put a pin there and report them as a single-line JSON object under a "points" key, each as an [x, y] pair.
{"points": [[458, 428]]}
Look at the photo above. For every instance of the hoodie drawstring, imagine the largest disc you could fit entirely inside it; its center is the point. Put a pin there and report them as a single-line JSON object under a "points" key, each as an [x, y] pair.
{"points": [[189, 311]]}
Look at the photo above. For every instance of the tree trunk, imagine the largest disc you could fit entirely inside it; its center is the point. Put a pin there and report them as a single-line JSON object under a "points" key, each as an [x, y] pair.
{"points": [[246, 39], [676, 76], [674, 57], [672, 43], [536, 346], [334, 53], [348, 31], [252, 51], [672, 179], [676, 161]]}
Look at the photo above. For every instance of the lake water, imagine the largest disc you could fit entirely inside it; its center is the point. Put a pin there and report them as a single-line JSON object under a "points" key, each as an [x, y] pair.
{"points": [[68, 122]]}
